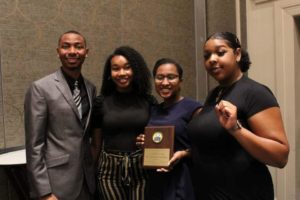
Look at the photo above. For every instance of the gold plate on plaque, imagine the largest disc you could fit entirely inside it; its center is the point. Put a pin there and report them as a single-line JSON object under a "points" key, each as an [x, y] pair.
{"points": [[158, 146]]}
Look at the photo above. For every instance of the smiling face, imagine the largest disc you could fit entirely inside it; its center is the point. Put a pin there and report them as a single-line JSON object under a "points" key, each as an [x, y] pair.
{"points": [[221, 61], [72, 51], [167, 82], [121, 73]]}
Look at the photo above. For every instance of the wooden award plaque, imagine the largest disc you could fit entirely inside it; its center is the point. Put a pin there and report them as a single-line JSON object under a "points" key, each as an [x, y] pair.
{"points": [[158, 146]]}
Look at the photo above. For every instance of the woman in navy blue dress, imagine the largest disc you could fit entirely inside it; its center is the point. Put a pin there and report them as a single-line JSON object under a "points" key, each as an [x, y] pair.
{"points": [[173, 182]]}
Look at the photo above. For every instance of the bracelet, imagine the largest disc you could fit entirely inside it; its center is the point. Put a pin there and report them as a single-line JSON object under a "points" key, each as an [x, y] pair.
{"points": [[237, 126], [188, 150]]}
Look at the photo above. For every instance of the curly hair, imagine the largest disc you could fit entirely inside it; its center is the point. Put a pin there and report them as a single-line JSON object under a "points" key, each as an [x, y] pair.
{"points": [[234, 43], [141, 83]]}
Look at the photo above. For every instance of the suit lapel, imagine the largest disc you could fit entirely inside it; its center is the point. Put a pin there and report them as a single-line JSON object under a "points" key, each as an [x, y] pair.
{"points": [[64, 88]]}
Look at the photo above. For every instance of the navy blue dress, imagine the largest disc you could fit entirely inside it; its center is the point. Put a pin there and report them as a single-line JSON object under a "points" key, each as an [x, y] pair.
{"points": [[177, 183]]}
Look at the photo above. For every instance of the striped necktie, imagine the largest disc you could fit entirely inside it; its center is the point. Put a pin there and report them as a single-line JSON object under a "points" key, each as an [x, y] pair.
{"points": [[77, 98]]}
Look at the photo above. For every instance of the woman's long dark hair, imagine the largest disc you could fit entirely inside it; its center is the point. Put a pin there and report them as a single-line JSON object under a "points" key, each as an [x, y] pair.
{"points": [[141, 83]]}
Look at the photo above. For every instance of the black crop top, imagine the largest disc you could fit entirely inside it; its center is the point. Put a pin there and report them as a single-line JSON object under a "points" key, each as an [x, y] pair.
{"points": [[121, 117]]}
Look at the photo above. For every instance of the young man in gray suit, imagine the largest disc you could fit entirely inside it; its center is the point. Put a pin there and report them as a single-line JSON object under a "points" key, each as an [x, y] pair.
{"points": [[57, 115]]}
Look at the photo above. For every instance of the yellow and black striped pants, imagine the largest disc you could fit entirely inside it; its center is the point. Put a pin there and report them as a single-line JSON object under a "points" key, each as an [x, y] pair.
{"points": [[121, 176]]}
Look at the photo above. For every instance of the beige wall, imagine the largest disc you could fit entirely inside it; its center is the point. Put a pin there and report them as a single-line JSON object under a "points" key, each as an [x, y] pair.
{"points": [[273, 43], [225, 16], [29, 30], [297, 100], [218, 21]]}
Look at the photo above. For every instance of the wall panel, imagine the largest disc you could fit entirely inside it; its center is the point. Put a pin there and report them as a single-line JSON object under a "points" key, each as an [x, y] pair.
{"points": [[29, 31]]}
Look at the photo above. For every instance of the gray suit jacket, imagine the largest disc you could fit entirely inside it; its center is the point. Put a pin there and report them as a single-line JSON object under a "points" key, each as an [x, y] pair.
{"points": [[57, 144]]}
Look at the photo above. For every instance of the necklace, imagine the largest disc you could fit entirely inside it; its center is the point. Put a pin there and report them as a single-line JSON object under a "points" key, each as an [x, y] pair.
{"points": [[223, 90], [220, 95]]}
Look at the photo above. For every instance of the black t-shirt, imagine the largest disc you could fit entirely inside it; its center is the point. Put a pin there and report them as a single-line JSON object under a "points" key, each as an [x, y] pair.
{"points": [[121, 117], [222, 169]]}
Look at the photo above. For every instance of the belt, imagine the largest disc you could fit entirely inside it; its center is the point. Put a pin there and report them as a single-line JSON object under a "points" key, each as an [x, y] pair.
{"points": [[125, 163]]}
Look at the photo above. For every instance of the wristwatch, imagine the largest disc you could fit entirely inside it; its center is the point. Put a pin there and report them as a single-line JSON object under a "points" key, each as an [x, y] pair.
{"points": [[237, 126]]}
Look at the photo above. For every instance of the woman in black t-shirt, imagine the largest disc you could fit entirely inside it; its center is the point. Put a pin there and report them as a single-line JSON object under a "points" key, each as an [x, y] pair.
{"points": [[120, 113], [239, 130]]}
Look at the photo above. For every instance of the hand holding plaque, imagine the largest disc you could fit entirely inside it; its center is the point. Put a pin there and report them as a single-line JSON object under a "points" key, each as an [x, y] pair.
{"points": [[158, 146]]}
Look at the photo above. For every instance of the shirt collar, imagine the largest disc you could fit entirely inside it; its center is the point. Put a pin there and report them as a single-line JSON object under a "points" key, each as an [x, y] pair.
{"points": [[71, 80]]}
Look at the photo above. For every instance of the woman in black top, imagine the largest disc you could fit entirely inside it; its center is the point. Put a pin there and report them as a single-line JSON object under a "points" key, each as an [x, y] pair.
{"points": [[121, 112], [239, 130]]}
